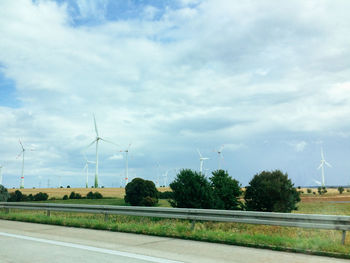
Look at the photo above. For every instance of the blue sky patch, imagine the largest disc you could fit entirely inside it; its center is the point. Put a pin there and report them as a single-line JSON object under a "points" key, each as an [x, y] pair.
{"points": [[7, 92]]}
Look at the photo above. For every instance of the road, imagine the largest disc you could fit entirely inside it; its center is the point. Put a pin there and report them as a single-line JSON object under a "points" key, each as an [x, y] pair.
{"points": [[28, 242]]}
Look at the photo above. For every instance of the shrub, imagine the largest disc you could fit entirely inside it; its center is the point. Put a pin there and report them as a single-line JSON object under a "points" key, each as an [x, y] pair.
{"points": [[321, 190], [226, 191], [68, 186], [30, 197], [41, 196], [4, 195], [138, 189], [72, 195], [166, 195], [65, 197], [149, 201], [341, 189], [95, 195], [16, 196], [309, 191], [271, 192], [191, 190]]}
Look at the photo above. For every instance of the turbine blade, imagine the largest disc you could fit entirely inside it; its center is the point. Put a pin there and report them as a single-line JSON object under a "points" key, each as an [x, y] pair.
{"points": [[328, 164], [21, 143], [91, 144], [95, 126], [322, 155], [19, 154], [320, 166], [199, 153], [110, 142]]}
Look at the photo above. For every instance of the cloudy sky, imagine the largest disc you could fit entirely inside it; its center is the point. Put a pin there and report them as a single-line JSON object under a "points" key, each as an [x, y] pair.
{"points": [[268, 80]]}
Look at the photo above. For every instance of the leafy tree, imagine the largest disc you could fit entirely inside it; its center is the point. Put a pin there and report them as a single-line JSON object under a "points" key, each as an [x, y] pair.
{"points": [[341, 189], [4, 195], [41, 196], [72, 195], [226, 191], [321, 190], [139, 191], [309, 191], [191, 190], [166, 195], [16, 196], [96, 195], [271, 192], [65, 197]]}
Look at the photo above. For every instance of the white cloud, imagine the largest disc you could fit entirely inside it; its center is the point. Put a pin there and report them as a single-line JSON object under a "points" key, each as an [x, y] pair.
{"points": [[210, 72]]}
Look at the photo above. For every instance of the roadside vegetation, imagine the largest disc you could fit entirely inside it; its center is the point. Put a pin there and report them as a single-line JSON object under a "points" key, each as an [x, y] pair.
{"points": [[267, 191]]}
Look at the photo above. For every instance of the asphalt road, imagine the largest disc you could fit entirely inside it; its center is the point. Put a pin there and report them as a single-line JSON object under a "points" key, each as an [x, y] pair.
{"points": [[28, 242]]}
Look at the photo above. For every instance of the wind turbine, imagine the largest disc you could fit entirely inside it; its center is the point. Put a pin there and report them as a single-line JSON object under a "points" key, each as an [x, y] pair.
{"points": [[97, 139], [126, 164], [323, 162], [201, 160], [22, 153], [220, 156], [0, 174], [86, 167]]}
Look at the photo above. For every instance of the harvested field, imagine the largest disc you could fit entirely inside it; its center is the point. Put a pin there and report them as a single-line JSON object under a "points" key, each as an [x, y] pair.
{"points": [[60, 192]]}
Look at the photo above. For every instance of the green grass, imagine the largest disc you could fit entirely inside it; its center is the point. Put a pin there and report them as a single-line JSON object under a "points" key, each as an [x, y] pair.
{"points": [[314, 241]]}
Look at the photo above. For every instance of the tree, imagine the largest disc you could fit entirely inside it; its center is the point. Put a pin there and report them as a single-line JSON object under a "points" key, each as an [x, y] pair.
{"points": [[341, 189], [4, 195], [41, 196], [16, 196], [226, 191], [140, 192], [191, 190], [271, 192]]}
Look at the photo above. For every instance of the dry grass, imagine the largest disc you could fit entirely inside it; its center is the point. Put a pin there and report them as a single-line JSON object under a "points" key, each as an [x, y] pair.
{"points": [[60, 192]]}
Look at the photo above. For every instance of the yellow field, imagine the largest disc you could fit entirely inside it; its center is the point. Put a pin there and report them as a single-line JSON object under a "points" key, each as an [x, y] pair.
{"points": [[60, 192]]}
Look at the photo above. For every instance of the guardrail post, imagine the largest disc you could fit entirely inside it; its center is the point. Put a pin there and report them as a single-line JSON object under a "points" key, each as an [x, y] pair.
{"points": [[343, 237], [7, 210], [106, 217], [48, 212], [193, 222]]}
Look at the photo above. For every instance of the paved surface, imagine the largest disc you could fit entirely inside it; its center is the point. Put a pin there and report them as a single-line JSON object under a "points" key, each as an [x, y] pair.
{"points": [[28, 242]]}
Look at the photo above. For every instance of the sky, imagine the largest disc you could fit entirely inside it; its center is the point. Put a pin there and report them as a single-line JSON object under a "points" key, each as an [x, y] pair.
{"points": [[268, 80]]}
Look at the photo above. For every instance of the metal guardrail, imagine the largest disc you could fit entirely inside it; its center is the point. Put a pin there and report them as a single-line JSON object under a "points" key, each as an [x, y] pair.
{"points": [[331, 222]]}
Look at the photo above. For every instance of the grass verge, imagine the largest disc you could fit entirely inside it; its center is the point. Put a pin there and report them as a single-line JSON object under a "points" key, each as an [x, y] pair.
{"points": [[309, 241]]}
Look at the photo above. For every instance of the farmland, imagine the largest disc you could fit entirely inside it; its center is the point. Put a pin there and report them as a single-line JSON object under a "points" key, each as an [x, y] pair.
{"points": [[315, 241]]}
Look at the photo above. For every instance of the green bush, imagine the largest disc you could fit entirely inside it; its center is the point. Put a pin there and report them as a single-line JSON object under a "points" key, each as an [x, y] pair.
{"points": [[95, 195], [226, 191], [341, 189], [191, 190], [4, 195], [138, 189], [321, 190], [309, 191], [41, 196], [65, 197], [16, 196], [271, 192], [74, 195]]}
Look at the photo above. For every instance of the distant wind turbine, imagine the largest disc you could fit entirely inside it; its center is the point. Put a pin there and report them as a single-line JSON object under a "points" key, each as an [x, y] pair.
{"points": [[97, 139], [323, 162], [126, 164], [220, 156], [22, 153], [201, 160], [86, 168]]}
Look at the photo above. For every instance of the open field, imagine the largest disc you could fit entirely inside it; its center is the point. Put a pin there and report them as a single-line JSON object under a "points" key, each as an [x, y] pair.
{"points": [[60, 192]]}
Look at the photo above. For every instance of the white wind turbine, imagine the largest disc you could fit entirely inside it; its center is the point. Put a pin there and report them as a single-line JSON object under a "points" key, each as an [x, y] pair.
{"points": [[220, 156], [126, 164], [323, 162], [201, 160], [86, 168], [97, 139], [22, 153]]}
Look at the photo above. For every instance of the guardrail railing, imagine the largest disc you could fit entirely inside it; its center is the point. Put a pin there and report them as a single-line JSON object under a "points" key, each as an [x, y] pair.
{"points": [[331, 222]]}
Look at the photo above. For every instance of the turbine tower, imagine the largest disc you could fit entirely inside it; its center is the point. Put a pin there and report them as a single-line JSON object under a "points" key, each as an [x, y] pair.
{"points": [[97, 139], [1, 174], [323, 162], [201, 160], [126, 164], [22, 153], [220, 155], [86, 167]]}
